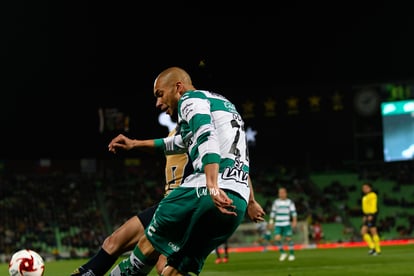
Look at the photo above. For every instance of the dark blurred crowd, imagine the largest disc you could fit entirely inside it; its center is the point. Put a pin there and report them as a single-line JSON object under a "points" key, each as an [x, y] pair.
{"points": [[68, 214]]}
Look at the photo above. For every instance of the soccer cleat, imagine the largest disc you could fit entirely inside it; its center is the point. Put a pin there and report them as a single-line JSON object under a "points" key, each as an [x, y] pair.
{"points": [[82, 272], [282, 257], [291, 258], [218, 260], [225, 260], [372, 252]]}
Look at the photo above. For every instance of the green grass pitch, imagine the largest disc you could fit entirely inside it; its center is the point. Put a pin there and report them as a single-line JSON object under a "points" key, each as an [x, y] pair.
{"points": [[394, 260]]}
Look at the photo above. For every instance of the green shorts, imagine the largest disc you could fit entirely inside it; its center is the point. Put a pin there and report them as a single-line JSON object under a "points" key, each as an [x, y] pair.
{"points": [[187, 226], [284, 231]]}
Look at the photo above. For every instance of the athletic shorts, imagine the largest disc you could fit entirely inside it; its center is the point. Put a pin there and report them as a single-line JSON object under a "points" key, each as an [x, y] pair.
{"points": [[146, 216], [284, 231], [370, 222], [187, 227]]}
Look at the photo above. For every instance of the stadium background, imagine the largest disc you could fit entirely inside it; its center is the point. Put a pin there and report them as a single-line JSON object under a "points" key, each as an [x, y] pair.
{"points": [[65, 63]]}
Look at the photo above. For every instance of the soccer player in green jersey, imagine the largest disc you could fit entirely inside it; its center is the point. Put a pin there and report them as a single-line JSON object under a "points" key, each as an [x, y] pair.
{"points": [[124, 238], [283, 218], [211, 203]]}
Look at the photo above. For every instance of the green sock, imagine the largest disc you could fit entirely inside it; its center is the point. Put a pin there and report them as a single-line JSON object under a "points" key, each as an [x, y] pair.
{"points": [[279, 244], [291, 247], [137, 264]]}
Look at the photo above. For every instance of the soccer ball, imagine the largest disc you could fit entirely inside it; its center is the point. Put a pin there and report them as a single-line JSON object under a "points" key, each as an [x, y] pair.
{"points": [[26, 262]]}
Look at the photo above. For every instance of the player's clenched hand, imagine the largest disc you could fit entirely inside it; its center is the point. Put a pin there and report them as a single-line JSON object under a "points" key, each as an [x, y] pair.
{"points": [[255, 211], [222, 201], [120, 142]]}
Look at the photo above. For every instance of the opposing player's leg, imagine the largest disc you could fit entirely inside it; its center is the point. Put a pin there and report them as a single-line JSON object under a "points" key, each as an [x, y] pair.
{"points": [[143, 257], [120, 241]]}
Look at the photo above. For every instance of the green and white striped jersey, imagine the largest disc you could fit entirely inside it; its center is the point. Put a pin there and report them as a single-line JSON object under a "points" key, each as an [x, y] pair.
{"points": [[282, 211], [212, 131]]}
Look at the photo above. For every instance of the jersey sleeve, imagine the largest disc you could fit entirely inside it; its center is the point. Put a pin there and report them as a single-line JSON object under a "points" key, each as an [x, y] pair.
{"points": [[292, 208], [171, 145], [200, 125]]}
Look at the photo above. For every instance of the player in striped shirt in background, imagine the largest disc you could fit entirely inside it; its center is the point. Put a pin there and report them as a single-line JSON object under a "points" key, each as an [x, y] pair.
{"points": [[283, 219]]}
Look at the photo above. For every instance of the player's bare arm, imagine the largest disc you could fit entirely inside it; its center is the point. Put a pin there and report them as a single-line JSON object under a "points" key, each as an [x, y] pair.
{"points": [[124, 143], [219, 197], [254, 209]]}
